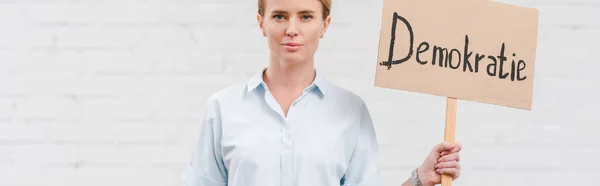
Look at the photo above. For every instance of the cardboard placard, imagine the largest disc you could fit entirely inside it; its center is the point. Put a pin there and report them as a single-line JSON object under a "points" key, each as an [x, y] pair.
{"points": [[471, 50]]}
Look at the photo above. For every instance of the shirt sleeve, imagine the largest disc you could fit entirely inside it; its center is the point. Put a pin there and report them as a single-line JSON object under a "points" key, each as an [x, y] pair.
{"points": [[206, 167], [363, 169]]}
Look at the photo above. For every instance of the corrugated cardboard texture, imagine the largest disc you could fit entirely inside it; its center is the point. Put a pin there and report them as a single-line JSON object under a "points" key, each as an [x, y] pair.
{"points": [[470, 50]]}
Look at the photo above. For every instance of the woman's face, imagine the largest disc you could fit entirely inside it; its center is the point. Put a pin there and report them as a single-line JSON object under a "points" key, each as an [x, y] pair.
{"points": [[293, 29]]}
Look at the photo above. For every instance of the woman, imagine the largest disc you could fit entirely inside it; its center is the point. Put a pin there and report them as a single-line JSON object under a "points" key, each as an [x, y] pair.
{"points": [[288, 126]]}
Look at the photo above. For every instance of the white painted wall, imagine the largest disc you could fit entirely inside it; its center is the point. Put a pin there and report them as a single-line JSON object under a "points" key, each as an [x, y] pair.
{"points": [[111, 92]]}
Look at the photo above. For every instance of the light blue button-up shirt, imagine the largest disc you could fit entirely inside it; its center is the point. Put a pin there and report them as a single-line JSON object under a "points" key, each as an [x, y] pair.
{"points": [[327, 139]]}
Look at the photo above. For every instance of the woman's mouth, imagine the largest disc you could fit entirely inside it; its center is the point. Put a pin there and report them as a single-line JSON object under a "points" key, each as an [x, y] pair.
{"points": [[291, 46]]}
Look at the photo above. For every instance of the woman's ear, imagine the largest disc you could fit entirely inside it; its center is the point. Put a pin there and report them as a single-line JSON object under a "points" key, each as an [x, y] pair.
{"points": [[326, 25], [260, 24]]}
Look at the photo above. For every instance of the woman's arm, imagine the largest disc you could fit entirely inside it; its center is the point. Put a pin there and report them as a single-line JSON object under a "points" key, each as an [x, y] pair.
{"points": [[407, 183], [363, 169], [206, 167]]}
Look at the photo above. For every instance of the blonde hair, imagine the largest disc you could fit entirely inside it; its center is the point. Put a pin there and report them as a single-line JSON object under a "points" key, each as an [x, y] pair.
{"points": [[326, 7]]}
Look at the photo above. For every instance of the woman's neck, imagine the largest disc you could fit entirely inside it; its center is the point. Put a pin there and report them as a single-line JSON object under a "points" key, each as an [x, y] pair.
{"points": [[289, 77]]}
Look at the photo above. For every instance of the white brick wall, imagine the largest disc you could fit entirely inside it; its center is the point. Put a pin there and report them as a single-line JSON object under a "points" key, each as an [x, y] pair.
{"points": [[111, 92]]}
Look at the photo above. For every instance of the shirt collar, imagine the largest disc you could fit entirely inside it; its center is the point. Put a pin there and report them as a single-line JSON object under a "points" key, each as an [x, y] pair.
{"points": [[320, 84]]}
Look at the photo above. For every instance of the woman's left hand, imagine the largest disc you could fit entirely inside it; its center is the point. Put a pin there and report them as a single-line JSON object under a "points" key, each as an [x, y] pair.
{"points": [[443, 159]]}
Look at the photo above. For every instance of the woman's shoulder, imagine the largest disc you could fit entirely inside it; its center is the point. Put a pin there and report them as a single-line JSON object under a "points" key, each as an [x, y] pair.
{"points": [[344, 95], [228, 93]]}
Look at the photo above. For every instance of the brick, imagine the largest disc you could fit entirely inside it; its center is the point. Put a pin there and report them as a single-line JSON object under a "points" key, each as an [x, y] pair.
{"points": [[18, 174], [60, 12], [98, 37], [526, 177], [351, 40], [93, 175], [339, 63], [186, 62], [7, 107], [24, 37], [532, 158], [124, 175], [576, 46], [559, 15], [10, 85], [558, 2], [397, 156], [44, 154], [104, 131], [48, 108], [210, 14], [101, 86], [181, 97], [5, 156], [177, 110], [394, 176], [22, 131], [55, 63], [11, 60], [121, 12], [530, 134], [45, 84], [239, 39], [246, 63], [129, 155], [576, 108], [167, 38], [116, 109], [357, 13], [11, 13], [117, 63]]}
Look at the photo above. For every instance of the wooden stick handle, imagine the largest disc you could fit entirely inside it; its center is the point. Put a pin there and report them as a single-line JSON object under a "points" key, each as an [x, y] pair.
{"points": [[449, 132]]}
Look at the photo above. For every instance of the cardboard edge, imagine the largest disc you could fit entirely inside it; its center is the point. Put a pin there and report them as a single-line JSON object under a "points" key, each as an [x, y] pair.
{"points": [[528, 106]]}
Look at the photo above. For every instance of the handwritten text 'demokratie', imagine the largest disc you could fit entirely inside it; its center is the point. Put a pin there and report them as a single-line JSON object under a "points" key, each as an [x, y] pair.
{"points": [[471, 50]]}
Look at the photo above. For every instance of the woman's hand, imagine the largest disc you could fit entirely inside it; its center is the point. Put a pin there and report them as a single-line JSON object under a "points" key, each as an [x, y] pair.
{"points": [[443, 159]]}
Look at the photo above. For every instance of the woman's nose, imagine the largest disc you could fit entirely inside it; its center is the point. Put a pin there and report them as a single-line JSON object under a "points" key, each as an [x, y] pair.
{"points": [[292, 29], [292, 33]]}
